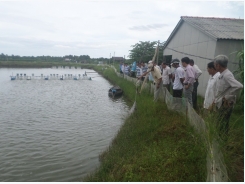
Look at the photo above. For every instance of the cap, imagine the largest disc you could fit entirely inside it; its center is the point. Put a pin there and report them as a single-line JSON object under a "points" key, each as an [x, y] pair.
{"points": [[150, 65], [150, 62], [175, 61]]}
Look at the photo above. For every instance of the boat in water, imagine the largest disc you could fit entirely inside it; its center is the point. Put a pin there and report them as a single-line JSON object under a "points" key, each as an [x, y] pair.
{"points": [[12, 77], [115, 91]]}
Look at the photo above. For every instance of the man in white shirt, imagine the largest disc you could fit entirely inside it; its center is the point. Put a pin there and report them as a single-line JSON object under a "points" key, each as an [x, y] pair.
{"points": [[178, 79], [126, 69], [123, 68], [196, 83], [166, 76], [227, 90], [211, 87]]}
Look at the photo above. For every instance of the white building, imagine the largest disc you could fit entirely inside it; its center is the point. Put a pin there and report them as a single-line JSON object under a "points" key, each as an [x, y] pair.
{"points": [[203, 38]]}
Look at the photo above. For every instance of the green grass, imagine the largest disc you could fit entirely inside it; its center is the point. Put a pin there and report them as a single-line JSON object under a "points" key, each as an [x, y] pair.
{"points": [[233, 147], [154, 144]]}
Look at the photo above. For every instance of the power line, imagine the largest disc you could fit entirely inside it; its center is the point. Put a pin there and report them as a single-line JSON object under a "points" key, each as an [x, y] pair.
{"points": [[190, 54]]}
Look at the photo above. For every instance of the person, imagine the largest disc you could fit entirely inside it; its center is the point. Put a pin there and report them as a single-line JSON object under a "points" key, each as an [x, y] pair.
{"points": [[178, 79], [126, 69], [156, 74], [227, 90], [158, 67], [189, 79], [211, 87], [138, 70], [166, 75], [196, 83], [123, 68], [120, 67], [144, 68], [133, 70]]}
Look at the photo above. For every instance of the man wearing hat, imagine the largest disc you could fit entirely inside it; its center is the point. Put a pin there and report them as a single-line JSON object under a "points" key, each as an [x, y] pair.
{"points": [[178, 78], [156, 74]]}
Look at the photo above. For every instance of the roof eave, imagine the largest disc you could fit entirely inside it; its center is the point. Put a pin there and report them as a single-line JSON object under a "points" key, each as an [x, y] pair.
{"points": [[173, 33]]}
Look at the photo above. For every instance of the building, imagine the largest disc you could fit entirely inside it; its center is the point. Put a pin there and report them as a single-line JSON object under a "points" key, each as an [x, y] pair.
{"points": [[203, 38], [118, 59]]}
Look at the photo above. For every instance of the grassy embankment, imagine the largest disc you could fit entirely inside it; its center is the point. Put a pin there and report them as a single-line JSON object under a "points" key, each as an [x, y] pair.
{"points": [[233, 147], [154, 144]]}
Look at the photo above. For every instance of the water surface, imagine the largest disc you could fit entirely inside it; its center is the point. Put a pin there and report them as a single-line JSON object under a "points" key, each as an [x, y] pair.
{"points": [[54, 130]]}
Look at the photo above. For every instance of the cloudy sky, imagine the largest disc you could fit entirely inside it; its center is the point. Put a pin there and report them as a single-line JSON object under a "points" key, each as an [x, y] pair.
{"points": [[98, 28]]}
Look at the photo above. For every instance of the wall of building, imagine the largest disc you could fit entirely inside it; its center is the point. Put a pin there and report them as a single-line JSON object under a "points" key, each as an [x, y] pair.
{"points": [[228, 48], [191, 41]]}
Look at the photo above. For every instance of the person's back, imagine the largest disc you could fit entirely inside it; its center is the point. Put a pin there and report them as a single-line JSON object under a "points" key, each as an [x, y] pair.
{"points": [[179, 73], [138, 71]]}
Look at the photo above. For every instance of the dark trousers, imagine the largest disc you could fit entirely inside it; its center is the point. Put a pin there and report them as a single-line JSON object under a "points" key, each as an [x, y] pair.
{"points": [[224, 114], [194, 94], [177, 93]]}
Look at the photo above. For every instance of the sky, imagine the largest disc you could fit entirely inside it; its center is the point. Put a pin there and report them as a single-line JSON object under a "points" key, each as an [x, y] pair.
{"points": [[98, 28]]}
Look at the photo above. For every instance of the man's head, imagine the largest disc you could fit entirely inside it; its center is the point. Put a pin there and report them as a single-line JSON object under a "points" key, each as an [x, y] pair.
{"points": [[185, 61], [191, 62], [164, 64], [175, 63], [220, 63], [211, 69], [150, 65]]}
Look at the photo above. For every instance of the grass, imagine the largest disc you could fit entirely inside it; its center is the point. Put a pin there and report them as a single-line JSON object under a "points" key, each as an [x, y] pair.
{"points": [[154, 144], [233, 147]]}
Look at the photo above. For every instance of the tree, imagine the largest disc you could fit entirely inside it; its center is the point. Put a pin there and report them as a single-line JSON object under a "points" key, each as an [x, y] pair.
{"points": [[239, 74], [144, 51]]}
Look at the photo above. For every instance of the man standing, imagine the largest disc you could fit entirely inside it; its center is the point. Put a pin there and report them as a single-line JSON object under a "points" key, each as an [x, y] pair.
{"points": [[178, 79], [211, 87], [157, 79], [126, 69], [227, 90], [166, 76], [189, 79], [138, 70], [196, 83], [123, 68]]}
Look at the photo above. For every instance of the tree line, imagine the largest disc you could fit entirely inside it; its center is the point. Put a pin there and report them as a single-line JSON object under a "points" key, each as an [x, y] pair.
{"points": [[142, 51]]}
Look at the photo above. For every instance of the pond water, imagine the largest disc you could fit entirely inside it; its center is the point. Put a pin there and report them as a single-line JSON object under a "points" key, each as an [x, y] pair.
{"points": [[54, 130]]}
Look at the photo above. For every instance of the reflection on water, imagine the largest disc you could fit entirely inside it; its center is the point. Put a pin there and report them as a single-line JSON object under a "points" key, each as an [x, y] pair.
{"points": [[54, 130]]}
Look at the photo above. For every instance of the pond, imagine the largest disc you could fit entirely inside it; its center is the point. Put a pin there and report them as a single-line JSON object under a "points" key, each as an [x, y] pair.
{"points": [[54, 130]]}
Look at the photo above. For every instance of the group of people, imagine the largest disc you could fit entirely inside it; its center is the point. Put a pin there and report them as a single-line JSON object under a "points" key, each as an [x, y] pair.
{"points": [[221, 91]]}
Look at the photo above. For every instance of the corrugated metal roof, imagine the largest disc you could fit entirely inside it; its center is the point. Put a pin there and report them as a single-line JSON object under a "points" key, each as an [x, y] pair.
{"points": [[219, 28]]}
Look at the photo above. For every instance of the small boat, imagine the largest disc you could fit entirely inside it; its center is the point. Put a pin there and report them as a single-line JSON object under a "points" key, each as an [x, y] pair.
{"points": [[45, 78], [115, 91], [12, 77], [28, 78]]}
